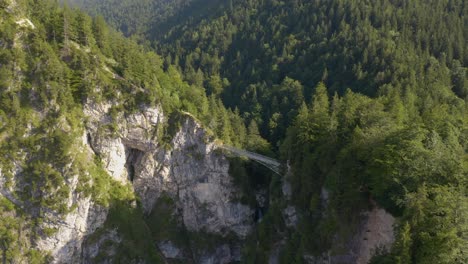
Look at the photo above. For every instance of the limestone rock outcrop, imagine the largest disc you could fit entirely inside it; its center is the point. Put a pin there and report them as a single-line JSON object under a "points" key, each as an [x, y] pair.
{"points": [[189, 168], [186, 167]]}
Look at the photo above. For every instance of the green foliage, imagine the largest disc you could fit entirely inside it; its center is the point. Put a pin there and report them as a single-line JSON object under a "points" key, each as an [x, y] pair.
{"points": [[11, 241], [255, 45], [410, 134], [136, 242], [126, 218], [164, 224], [362, 151], [48, 72], [397, 136], [241, 171], [438, 216]]}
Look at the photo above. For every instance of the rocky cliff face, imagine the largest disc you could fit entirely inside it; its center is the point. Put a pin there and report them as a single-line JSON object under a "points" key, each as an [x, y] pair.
{"points": [[66, 244], [188, 169], [374, 232]]}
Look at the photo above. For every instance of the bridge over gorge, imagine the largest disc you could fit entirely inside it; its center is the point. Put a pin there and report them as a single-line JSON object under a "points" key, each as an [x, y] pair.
{"points": [[268, 162]]}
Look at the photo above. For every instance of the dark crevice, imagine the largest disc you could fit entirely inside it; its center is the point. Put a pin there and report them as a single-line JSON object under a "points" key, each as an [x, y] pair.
{"points": [[133, 159], [131, 172], [90, 143], [259, 213]]}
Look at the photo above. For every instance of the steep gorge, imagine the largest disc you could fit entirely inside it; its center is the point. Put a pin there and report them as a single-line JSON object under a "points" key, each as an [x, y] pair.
{"points": [[102, 163], [191, 174]]}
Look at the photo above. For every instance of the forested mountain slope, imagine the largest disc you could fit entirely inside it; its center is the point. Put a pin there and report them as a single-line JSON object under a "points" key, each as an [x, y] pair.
{"points": [[82, 109], [302, 71], [365, 102], [143, 19], [245, 51]]}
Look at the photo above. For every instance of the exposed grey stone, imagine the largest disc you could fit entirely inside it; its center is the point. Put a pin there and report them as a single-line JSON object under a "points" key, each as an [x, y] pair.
{"points": [[221, 255], [106, 244], [191, 171], [169, 250], [375, 231], [290, 216]]}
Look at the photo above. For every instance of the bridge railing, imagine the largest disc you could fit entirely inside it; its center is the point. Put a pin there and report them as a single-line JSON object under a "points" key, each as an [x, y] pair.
{"points": [[268, 162]]}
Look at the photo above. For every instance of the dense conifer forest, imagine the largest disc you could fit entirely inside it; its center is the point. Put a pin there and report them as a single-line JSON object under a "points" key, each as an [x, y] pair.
{"points": [[356, 95], [367, 99]]}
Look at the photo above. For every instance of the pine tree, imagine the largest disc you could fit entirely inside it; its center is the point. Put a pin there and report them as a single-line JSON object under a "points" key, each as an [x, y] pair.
{"points": [[403, 245]]}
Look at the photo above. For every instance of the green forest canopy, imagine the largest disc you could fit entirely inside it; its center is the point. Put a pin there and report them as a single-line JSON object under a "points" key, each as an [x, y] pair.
{"points": [[366, 98], [357, 95]]}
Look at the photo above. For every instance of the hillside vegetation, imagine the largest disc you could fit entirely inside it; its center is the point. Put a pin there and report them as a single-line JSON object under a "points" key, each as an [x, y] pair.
{"points": [[366, 99], [53, 61]]}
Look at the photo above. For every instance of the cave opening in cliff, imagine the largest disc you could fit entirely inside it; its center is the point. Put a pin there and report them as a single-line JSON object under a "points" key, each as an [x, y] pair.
{"points": [[259, 213], [133, 157]]}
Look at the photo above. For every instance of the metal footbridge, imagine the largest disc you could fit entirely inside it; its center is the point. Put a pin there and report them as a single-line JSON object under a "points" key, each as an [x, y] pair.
{"points": [[272, 164]]}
